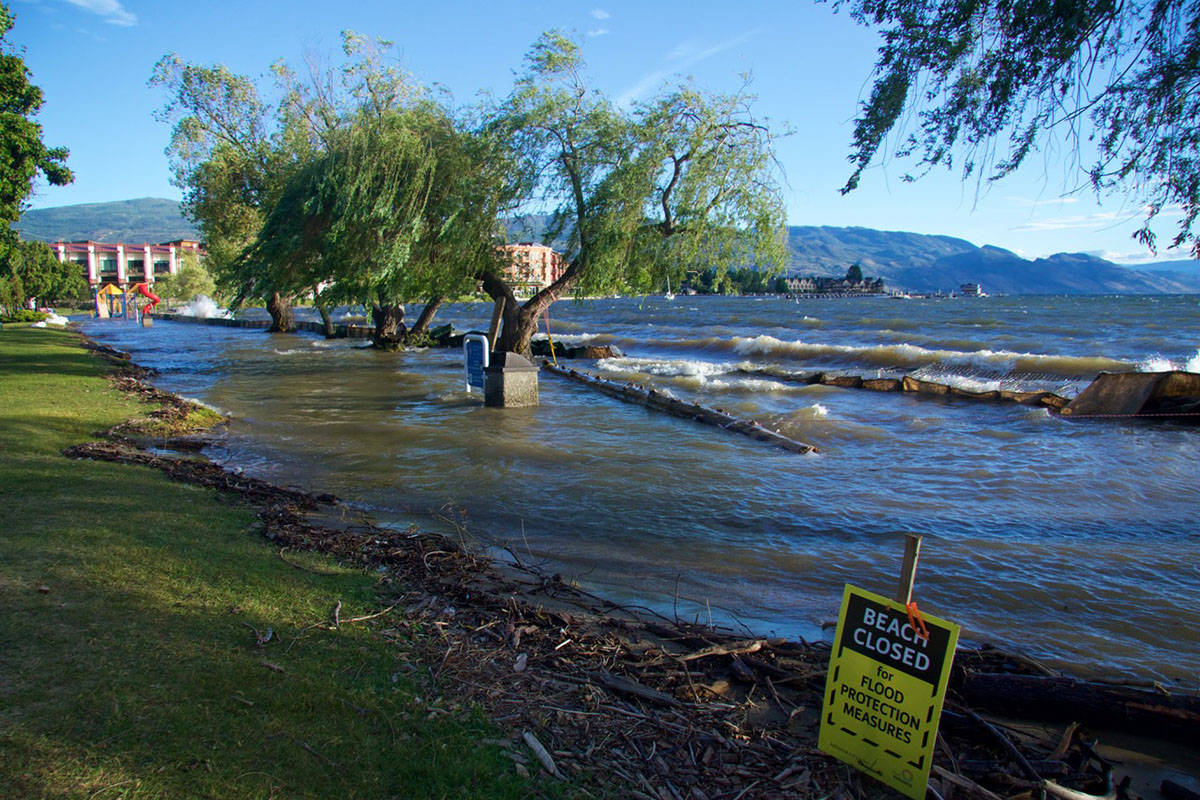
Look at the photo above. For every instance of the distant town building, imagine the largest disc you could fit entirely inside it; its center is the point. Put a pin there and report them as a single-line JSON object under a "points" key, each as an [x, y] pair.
{"points": [[834, 287], [533, 267], [123, 264]]}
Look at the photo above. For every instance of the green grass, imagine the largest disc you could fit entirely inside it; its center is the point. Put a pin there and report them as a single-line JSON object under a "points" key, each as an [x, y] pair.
{"points": [[128, 658]]}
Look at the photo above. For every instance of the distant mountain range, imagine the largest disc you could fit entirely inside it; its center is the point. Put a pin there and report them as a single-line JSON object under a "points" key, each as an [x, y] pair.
{"points": [[145, 220], [920, 262], [909, 261]]}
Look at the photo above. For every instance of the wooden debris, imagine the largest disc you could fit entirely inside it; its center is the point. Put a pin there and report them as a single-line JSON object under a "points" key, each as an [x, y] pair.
{"points": [[542, 754]]}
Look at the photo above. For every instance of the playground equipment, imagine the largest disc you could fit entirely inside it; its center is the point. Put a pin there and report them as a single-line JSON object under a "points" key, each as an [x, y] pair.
{"points": [[113, 302]]}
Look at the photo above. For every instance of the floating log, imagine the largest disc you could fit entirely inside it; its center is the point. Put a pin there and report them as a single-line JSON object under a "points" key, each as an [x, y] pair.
{"points": [[1101, 705], [652, 398]]}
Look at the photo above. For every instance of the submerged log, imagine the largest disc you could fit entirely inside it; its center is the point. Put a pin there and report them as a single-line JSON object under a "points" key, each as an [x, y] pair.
{"points": [[1100, 705], [652, 398]]}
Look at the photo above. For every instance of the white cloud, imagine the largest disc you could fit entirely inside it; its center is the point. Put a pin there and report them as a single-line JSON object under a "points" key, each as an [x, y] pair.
{"points": [[684, 55], [598, 32], [1029, 202], [111, 10], [1096, 220], [600, 13]]}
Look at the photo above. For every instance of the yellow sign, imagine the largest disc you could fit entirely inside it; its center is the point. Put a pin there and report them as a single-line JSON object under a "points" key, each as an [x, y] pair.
{"points": [[884, 692]]}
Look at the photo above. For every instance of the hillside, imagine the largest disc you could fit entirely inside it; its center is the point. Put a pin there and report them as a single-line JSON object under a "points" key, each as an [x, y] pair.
{"points": [[910, 261], [147, 219], [925, 263]]}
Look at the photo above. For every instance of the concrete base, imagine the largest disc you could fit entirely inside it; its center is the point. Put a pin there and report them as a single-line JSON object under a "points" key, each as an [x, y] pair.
{"points": [[510, 381]]}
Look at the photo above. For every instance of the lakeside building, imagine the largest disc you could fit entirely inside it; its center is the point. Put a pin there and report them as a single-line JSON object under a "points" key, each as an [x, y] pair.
{"points": [[834, 287], [533, 267], [123, 264]]}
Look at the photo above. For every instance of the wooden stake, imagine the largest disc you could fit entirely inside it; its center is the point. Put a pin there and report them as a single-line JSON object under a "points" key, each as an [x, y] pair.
{"points": [[494, 329], [908, 571]]}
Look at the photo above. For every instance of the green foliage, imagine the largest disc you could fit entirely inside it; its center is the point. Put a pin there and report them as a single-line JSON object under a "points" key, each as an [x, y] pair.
{"points": [[23, 156], [25, 315], [854, 274], [192, 280], [738, 280], [241, 160], [400, 206], [30, 270], [682, 182], [1119, 81]]}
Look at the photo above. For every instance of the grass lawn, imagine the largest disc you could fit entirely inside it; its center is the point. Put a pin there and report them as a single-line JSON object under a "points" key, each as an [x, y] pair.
{"points": [[133, 606]]}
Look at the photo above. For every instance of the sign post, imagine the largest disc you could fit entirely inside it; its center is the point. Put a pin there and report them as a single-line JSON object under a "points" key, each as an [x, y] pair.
{"points": [[885, 688], [475, 352]]}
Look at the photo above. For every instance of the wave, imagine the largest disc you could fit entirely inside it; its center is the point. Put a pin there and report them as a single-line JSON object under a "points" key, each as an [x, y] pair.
{"points": [[1157, 363], [696, 375], [908, 356], [204, 307]]}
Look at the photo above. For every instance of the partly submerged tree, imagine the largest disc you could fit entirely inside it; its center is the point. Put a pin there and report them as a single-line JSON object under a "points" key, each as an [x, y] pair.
{"points": [[233, 152], [23, 155], [991, 80], [400, 206], [681, 182], [227, 157]]}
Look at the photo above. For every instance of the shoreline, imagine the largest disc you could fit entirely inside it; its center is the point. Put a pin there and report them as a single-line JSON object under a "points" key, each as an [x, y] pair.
{"points": [[606, 689]]}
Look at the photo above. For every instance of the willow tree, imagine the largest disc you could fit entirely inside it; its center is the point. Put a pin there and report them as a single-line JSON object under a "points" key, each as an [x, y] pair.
{"points": [[683, 181], [990, 81], [399, 207], [233, 151]]}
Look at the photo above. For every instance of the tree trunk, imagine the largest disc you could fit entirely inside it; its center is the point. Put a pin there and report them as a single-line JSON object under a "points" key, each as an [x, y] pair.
{"points": [[422, 324], [326, 320], [283, 318], [390, 332], [519, 322]]}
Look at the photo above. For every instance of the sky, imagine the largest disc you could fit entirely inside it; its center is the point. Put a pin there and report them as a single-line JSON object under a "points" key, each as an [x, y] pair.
{"points": [[810, 68]]}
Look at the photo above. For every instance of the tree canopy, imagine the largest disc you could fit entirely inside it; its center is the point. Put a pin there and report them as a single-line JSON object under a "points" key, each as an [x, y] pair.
{"points": [[233, 151], [401, 205], [23, 155], [30, 270], [992, 80], [683, 181], [359, 188]]}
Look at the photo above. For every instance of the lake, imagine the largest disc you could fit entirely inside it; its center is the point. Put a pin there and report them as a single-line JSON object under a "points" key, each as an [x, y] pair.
{"points": [[1075, 542]]}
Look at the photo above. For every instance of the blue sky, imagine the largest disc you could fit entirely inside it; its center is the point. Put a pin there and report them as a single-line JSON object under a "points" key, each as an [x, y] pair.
{"points": [[810, 67]]}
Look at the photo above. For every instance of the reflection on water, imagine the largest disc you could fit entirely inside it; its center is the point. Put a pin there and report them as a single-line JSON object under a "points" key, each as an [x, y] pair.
{"points": [[1073, 542]]}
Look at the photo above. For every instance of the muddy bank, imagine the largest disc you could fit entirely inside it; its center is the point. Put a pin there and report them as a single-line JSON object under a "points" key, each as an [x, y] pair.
{"points": [[615, 699]]}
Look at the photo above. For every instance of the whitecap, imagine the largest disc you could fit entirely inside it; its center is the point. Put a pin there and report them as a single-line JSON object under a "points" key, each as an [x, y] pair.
{"points": [[1193, 363], [1156, 364], [203, 307]]}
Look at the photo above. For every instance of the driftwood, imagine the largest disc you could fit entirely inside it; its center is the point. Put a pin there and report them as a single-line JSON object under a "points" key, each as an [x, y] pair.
{"points": [[1100, 705], [652, 398]]}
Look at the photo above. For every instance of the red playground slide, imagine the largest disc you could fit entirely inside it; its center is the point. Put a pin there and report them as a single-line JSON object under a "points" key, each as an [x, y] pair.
{"points": [[143, 289]]}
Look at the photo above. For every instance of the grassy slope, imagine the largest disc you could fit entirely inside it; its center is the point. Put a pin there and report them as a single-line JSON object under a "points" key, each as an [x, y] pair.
{"points": [[128, 663]]}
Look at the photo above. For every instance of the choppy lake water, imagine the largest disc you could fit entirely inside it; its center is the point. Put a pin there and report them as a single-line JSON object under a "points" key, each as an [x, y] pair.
{"points": [[1073, 541]]}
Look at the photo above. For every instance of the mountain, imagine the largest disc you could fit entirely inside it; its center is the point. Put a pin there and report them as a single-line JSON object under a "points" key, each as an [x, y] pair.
{"points": [[147, 219], [911, 261], [927, 263]]}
